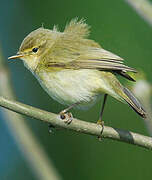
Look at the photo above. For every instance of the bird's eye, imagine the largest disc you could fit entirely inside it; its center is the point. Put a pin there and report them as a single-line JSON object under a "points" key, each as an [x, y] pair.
{"points": [[35, 50]]}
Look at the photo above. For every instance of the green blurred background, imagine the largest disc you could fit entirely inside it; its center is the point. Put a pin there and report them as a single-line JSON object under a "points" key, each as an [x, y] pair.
{"points": [[117, 27]]}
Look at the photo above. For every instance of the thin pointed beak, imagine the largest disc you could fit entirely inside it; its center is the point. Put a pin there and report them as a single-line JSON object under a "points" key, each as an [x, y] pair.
{"points": [[15, 56]]}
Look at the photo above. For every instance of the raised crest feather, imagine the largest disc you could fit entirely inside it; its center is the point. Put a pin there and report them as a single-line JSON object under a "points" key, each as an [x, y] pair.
{"points": [[78, 28]]}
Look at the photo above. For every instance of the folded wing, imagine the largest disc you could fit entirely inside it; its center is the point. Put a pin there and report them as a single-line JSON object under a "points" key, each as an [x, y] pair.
{"points": [[72, 50]]}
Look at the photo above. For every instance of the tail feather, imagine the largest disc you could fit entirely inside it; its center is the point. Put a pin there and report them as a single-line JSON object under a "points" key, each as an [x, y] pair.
{"points": [[134, 103]]}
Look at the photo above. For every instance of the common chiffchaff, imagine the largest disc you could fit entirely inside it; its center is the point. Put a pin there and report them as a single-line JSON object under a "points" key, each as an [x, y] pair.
{"points": [[73, 69]]}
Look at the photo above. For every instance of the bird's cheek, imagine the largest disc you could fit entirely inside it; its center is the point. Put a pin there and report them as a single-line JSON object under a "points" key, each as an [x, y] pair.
{"points": [[31, 63]]}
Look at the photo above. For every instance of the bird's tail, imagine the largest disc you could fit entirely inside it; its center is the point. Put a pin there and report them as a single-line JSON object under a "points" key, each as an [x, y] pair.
{"points": [[134, 103]]}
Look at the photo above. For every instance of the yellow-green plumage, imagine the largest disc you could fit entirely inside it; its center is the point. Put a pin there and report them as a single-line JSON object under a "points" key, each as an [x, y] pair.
{"points": [[72, 68]]}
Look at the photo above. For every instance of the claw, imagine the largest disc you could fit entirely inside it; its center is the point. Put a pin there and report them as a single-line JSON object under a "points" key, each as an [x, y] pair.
{"points": [[66, 117]]}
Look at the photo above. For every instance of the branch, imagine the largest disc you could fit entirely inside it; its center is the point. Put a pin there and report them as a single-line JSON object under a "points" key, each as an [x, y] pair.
{"points": [[142, 85], [143, 8], [78, 125]]}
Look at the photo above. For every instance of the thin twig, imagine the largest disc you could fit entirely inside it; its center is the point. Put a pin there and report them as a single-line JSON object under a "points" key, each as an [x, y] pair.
{"points": [[143, 8], [78, 125], [142, 85]]}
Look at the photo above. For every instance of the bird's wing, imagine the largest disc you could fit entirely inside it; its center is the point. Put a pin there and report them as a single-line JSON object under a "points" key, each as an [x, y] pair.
{"points": [[98, 58], [90, 58], [72, 50]]}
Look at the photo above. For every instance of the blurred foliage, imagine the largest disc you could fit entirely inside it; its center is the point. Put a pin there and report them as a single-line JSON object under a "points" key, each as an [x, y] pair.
{"points": [[117, 27]]}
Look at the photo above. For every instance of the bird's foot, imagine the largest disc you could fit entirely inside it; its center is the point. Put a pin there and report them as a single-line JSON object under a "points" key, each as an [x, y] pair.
{"points": [[100, 123], [66, 116]]}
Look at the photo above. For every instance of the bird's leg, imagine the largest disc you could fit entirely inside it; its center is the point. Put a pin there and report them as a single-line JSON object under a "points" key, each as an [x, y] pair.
{"points": [[102, 109], [100, 122], [66, 116]]}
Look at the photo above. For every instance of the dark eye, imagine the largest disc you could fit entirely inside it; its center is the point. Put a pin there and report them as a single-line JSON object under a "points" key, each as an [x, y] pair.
{"points": [[35, 50]]}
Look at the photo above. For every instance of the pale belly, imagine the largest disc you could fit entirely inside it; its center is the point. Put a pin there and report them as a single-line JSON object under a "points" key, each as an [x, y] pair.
{"points": [[72, 86]]}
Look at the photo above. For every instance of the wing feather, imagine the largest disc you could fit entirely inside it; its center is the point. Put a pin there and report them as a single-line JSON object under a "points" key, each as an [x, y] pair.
{"points": [[91, 60], [72, 50]]}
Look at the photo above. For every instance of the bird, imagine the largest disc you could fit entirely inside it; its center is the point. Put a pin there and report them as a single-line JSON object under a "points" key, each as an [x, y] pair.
{"points": [[75, 70]]}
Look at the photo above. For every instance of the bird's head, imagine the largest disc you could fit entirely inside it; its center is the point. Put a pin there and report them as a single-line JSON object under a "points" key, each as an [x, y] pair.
{"points": [[34, 46]]}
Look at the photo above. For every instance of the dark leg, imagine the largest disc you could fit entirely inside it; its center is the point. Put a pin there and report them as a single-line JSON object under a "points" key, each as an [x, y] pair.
{"points": [[103, 105], [100, 122], [67, 116]]}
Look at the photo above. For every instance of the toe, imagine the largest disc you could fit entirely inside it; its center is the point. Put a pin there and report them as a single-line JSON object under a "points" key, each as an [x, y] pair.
{"points": [[66, 117]]}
